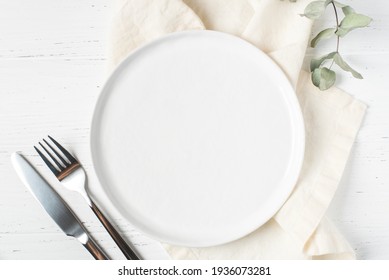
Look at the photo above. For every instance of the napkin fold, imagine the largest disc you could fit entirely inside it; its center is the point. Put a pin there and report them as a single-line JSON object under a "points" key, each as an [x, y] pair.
{"points": [[300, 229]]}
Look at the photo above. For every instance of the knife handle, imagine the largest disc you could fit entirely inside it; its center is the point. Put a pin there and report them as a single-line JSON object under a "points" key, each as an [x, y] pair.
{"points": [[95, 250], [123, 246]]}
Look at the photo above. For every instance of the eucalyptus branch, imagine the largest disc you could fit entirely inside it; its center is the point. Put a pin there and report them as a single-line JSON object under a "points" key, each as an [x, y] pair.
{"points": [[337, 27], [323, 77]]}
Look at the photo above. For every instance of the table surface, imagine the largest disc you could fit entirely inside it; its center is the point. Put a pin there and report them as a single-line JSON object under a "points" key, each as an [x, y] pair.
{"points": [[52, 67]]}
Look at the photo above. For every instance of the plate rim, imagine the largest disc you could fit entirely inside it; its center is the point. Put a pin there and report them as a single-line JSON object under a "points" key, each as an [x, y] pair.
{"points": [[298, 126]]}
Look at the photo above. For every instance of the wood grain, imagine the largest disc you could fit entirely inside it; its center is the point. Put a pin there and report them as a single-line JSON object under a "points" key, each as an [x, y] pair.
{"points": [[52, 66]]}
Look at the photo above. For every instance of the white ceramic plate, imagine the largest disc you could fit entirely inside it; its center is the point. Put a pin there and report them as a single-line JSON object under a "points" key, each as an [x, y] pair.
{"points": [[197, 138]]}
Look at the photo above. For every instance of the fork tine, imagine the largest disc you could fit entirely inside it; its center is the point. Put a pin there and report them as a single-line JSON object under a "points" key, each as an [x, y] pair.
{"points": [[60, 167], [48, 163], [57, 154], [64, 151]]}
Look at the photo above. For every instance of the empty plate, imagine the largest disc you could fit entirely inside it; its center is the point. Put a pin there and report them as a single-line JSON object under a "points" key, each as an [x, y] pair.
{"points": [[197, 138]]}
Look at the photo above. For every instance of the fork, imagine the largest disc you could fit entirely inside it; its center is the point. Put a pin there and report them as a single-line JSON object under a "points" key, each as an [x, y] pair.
{"points": [[72, 176]]}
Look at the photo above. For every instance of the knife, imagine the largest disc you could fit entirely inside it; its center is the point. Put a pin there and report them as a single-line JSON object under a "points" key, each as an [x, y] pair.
{"points": [[57, 208]]}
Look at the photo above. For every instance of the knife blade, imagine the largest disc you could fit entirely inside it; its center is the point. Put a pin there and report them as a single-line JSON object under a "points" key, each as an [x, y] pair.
{"points": [[54, 205]]}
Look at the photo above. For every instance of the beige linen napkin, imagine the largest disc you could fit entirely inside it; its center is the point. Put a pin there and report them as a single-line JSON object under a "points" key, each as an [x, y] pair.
{"points": [[300, 229]]}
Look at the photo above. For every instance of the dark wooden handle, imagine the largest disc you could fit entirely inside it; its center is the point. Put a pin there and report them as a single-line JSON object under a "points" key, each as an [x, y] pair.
{"points": [[96, 252], [123, 246]]}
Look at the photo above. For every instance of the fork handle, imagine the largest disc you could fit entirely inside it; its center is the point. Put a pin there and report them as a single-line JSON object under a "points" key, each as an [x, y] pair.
{"points": [[123, 246], [94, 249]]}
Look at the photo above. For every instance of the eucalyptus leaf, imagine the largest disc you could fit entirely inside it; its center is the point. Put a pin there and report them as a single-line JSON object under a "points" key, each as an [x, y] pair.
{"points": [[323, 78], [342, 64], [347, 10], [315, 9], [317, 62], [325, 34], [351, 22]]}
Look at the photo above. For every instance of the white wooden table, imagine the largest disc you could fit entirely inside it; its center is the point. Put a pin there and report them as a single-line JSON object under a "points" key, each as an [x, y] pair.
{"points": [[52, 66]]}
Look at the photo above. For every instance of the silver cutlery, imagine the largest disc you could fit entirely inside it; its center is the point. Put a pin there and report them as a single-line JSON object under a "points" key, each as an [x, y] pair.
{"points": [[72, 176], [58, 210]]}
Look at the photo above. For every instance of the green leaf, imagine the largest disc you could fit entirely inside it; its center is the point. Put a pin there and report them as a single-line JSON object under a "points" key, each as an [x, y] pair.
{"points": [[351, 22], [342, 64], [316, 63], [323, 78], [325, 34], [347, 10], [315, 9]]}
